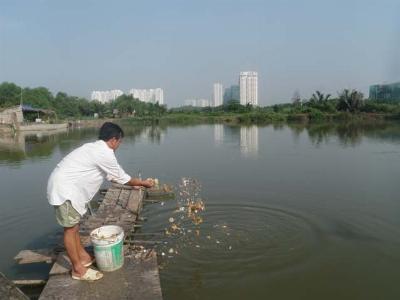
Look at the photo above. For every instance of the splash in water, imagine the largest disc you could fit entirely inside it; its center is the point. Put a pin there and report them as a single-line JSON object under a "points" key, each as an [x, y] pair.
{"points": [[187, 216]]}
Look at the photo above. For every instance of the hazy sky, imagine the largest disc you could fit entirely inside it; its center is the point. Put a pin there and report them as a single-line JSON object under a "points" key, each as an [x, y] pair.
{"points": [[185, 46]]}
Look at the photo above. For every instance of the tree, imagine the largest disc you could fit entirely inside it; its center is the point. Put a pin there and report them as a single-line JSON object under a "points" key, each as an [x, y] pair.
{"points": [[319, 98], [39, 97], [350, 101], [296, 99], [66, 106], [10, 94], [234, 106]]}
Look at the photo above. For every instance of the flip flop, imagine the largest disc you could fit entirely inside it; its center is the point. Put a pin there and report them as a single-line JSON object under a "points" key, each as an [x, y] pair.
{"points": [[89, 263], [90, 275]]}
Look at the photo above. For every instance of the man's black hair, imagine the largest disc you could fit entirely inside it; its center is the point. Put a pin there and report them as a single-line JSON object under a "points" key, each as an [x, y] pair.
{"points": [[110, 130]]}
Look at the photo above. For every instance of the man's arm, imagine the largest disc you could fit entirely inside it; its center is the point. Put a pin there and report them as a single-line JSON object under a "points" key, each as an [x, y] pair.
{"points": [[108, 163], [148, 183]]}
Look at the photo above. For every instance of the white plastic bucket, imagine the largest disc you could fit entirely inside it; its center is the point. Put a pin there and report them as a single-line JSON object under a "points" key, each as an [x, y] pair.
{"points": [[108, 247]]}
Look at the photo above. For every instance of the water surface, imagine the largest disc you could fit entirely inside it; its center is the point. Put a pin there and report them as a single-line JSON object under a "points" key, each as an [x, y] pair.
{"points": [[292, 212]]}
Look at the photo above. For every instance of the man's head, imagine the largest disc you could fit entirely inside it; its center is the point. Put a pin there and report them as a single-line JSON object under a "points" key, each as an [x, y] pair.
{"points": [[112, 134]]}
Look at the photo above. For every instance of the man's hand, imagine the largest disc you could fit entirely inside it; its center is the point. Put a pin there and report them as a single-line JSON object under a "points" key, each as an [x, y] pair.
{"points": [[136, 182], [149, 182]]}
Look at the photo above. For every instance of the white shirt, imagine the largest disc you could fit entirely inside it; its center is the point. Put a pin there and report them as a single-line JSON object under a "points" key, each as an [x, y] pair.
{"points": [[80, 174]]}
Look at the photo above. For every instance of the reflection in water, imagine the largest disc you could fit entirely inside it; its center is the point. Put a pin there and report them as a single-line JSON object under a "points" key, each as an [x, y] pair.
{"points": [[12, 142], [245, 137], [154, 133], [31, 145], [218, 134], [249, 140], [349, 133]]}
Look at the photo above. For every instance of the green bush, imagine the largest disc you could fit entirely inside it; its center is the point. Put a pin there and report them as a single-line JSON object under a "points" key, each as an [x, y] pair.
{"points": [[316, 115]]}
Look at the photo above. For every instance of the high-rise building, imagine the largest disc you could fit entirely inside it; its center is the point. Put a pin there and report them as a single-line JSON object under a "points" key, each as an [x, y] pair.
{"points": [[148, 95], [248, 82], [159, 95], [106, 96], [231, 93], [235, 92], [385, 91], [217, 94], [190, 102], [197, 102], [203, 102]]}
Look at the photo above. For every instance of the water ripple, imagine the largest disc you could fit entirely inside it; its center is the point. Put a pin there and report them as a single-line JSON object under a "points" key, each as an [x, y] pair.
{"points": [[234, 239]]}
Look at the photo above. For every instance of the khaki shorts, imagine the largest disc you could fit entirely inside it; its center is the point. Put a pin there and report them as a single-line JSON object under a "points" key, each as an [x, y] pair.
{"points": [[66, 214]]}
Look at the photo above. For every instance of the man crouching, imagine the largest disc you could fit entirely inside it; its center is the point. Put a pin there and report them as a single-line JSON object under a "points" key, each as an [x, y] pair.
{"points": [[75, 181]]}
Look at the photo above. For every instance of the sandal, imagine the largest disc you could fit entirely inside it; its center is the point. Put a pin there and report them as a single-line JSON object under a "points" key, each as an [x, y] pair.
{"points": [[89, 263], [90, 275]]}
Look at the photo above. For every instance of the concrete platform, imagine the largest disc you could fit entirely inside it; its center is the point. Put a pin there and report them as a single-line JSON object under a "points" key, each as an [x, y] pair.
{"points": [[137, 279]]}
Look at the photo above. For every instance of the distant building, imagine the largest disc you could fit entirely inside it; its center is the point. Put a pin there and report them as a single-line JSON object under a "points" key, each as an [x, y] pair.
{"points": [[235, 92], [197, 102], [148, 95], [25, 113], [385, 91], [11, 115], [190, 102], [106, 96], [248, 82], [203, 102], [232, 93], [217, 94]]}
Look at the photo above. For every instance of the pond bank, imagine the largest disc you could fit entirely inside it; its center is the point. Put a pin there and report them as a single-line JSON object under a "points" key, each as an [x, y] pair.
{"points": [[258, 118]]}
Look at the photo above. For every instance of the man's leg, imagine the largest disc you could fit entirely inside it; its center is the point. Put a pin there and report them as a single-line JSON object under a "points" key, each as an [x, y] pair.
{"points": [[69, 218], [71, 246], [84, 257]]}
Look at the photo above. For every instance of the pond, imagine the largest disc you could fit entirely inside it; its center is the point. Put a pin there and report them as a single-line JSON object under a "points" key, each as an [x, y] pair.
{"points": [[291, 211]]}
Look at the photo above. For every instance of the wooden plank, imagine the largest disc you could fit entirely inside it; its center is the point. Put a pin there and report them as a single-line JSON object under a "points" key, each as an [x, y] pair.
{"points": [[124, 197], [8, 290], [111, 197], [160, 195], [35, 256], [165, 191], [111, 194], [29, 282], [135, 201], [137, 279], [121, 186], [104, 210], [90, 224], [127, 217]]}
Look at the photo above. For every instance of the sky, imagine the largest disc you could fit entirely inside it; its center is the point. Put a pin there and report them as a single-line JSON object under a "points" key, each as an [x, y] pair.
{"points": [[185, 46]]}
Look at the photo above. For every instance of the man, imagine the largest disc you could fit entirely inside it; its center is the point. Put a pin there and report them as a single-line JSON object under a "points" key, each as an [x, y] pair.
{"points": [[75, 181]]}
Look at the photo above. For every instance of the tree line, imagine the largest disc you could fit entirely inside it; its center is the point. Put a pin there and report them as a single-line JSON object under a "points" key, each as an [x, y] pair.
{"points": [[67, 106], [318, 106]]}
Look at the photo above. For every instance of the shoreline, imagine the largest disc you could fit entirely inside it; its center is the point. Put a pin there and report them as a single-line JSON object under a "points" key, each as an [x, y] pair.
{"points": [[252, 118], [257, 118]]}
